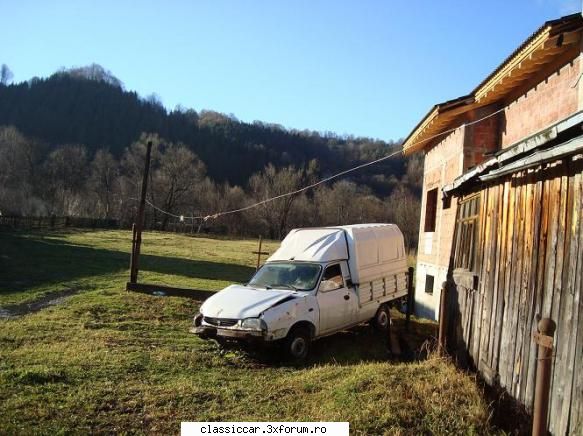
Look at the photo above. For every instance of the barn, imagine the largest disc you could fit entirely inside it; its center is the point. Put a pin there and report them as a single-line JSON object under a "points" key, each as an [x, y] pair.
{"points": [[501, 219]]}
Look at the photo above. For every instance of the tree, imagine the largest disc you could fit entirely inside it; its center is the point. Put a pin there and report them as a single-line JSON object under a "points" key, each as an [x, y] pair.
{"points": [[272, 182], [14, 180], [94, 72], [404, 209], [104, 172], [5, 75], [65, 170], [414, 172], [132, 167], [180, 169], [347, 203]]}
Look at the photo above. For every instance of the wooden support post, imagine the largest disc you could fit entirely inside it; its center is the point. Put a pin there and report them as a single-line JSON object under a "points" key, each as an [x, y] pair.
{"points": [[259, 253], [140, 217], [133, 253], [410, 296], [544, 339], [441, 342]]}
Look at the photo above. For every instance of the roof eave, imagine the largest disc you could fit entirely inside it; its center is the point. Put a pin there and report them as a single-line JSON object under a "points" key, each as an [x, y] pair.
{"points": [[549, 38], [415, 141]]}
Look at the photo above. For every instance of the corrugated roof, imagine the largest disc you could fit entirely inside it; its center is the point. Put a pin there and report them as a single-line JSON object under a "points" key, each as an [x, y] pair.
{"points": [[559, 25], [443, 115]]}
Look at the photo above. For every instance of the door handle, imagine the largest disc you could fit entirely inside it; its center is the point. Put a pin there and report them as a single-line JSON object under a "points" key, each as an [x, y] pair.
{"points": [[347, 297]]}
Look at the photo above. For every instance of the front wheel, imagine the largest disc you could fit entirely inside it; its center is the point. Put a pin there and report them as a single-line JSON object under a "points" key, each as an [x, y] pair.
{"points": [[297, 344], [382, 320]]}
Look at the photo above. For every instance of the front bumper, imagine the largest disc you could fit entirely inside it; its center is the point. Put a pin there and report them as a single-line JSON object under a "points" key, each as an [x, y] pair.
{"points": [[210, 332]]}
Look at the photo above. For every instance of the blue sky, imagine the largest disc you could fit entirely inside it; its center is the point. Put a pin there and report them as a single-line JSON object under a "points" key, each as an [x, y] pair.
{"points": [[362, 67]]}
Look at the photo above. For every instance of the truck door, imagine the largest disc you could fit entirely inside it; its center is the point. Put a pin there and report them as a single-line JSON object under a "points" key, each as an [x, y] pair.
{"points": [[338, 304]]}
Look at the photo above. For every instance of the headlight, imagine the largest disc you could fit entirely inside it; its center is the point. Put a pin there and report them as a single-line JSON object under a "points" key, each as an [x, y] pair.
{"points": [[253, 324]]}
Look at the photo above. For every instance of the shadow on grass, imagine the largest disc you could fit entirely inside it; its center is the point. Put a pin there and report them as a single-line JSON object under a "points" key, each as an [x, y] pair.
{"points": [[28, 260], [50, 299], [196, 269], [354, 346]]}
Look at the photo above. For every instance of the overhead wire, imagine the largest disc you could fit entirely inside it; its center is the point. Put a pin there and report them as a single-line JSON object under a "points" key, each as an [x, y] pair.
{"points": [[320, 182]]}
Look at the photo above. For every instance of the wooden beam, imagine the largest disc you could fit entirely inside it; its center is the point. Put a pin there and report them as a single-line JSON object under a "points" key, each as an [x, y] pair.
{"points": [[563, 39], [512, 63], [168, 291]]}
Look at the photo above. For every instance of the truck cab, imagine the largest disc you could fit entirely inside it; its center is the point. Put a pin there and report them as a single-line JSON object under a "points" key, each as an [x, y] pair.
{"points": [[320, 281]]}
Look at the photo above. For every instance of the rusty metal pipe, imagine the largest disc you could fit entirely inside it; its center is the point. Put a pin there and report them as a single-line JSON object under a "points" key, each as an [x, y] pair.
{"points": [[410, 296], [441, 342], [544, 339]]}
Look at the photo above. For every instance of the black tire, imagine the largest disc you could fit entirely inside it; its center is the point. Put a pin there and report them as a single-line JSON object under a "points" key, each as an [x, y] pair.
{"points": [[297, 344], [382, 319]]}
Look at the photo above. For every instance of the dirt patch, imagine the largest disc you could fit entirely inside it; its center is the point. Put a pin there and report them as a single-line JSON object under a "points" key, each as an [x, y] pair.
{"points": [[51, 299]]}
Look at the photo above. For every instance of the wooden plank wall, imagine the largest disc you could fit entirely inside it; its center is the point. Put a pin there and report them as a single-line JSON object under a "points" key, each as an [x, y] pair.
{"points": [[530, 263]]}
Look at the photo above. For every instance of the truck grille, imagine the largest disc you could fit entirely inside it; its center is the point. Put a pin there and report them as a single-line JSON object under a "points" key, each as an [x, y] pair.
{"points": [[221, 322]]}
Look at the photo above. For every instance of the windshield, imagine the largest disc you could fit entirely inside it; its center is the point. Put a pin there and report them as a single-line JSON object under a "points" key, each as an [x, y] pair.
{"points": [[292, 275]]}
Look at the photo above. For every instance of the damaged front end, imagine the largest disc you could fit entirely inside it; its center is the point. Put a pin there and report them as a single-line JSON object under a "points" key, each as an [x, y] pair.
{"points": [[246, 330]]}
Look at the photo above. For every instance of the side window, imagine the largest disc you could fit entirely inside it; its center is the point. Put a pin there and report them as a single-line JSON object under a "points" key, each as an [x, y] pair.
{"points": [[332, 278], [429, 282], [430, 210], [468, 233]]}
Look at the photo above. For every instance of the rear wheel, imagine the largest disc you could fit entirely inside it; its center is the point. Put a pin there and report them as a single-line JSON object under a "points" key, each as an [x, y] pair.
{"points": [[297, 344], [382, 320]]}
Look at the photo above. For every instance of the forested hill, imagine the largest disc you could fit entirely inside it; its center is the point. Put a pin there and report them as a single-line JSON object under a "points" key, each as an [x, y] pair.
{"points": [[89, 106]]}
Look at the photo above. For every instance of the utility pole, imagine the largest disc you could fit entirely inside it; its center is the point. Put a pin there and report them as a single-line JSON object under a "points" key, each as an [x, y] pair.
{"points": [[139, 224]]}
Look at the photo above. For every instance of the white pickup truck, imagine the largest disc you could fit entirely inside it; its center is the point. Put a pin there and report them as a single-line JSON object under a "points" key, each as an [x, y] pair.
{"points": [[320, 281]]}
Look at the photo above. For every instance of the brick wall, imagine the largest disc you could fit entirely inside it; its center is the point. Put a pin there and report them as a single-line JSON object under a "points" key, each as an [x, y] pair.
{"points": [[543, 104], [482, 138], [549, 101], [443, 163]]}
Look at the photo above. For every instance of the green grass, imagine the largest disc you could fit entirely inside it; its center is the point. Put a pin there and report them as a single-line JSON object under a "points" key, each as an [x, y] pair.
{"points": [[33, 264], [109, 361]]}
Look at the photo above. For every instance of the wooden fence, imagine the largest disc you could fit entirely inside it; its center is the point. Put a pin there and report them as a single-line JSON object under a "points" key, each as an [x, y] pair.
{"points": [[53, 223], [529, 264]]}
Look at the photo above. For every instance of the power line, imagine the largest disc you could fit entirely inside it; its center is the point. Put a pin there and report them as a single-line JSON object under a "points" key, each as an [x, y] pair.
{"points": [[324, 180]]}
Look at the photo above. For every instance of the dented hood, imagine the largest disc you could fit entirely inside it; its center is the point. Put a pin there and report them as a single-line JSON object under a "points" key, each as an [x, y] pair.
{"points": [[240, 302]]}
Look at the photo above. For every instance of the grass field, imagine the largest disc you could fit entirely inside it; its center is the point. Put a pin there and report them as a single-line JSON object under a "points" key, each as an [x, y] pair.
{"points": [[109, 361]]}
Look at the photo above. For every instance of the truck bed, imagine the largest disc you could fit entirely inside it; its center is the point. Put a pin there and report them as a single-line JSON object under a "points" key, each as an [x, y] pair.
{"points": [[383, 289]]}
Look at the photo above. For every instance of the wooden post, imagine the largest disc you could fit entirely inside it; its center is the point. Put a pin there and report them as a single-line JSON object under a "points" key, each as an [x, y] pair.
{"points": [[133, 253], [441, 342], [140, 217], [259, 253], [410, 296], [544, 339]]}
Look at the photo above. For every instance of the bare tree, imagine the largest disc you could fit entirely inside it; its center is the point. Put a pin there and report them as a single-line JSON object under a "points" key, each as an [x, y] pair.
{"points": [[65, 170], [414, 175], [347, 203], [180, 169], [132, 169], [5, 75], [20, 158], [272, 182], [404, 209], [102, 180]]}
